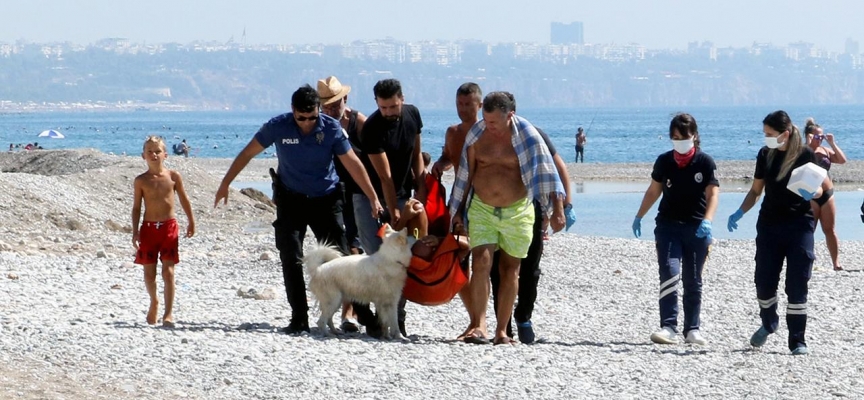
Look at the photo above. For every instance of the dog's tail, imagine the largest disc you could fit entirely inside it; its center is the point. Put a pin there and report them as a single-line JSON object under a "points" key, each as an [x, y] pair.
{"points": [[318, 255]]}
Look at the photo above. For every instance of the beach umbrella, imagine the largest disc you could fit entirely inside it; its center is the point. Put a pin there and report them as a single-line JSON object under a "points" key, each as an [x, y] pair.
{"points": [[52, 134]]}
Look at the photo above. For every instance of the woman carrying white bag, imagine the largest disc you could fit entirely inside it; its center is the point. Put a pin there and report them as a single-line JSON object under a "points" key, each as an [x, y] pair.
{"points": [[784, 229]]}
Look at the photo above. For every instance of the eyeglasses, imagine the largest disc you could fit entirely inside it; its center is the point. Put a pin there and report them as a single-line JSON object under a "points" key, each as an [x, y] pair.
{"points": [[301, 118]]}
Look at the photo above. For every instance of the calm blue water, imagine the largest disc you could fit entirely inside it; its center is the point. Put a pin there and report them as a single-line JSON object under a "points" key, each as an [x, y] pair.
{"points": [[607, 209], [616, 134]]}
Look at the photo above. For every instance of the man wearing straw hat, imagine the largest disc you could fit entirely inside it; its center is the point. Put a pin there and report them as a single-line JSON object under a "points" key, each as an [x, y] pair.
{"points": [[334, 99]]}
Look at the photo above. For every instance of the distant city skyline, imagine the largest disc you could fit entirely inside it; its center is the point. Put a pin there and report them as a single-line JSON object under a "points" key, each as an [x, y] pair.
{"points": [[655, 24]]}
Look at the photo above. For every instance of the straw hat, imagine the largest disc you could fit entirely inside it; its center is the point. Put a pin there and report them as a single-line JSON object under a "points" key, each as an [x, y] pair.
{"points": [[331, 90]]}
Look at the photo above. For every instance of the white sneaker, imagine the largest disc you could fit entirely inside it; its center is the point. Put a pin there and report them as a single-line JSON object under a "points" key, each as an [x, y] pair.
{"points": [[695, 337], [664, 336]]}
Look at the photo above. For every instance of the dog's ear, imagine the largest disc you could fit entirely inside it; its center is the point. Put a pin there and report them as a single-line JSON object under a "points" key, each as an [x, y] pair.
{"points": [[388, 228], [403, 236]]}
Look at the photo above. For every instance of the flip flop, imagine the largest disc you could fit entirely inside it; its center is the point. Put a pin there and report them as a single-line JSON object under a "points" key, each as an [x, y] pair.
{"points": [[504, 340], [476, 338], [169, 324]]}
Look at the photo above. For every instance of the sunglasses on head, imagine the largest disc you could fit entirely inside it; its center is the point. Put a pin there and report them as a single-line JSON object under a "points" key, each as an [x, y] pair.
{"points": [[301, 118]]}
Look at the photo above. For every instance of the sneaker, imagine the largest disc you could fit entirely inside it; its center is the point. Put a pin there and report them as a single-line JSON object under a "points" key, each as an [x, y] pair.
{"points": [[349, 326], [295, 329], [695, 337], [374, 331], [526, 332], [759, 337], [800, 351], [664, 336]]}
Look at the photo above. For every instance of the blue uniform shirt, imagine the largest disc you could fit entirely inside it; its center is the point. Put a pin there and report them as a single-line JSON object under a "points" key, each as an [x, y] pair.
{"points": [[305, 161]]}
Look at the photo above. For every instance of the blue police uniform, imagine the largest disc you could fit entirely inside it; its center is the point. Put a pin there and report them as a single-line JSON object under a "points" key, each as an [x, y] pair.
{"points": [[307, 194]]}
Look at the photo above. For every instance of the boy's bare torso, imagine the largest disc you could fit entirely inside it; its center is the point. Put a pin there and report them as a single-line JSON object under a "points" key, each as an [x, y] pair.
{"points": [[157, 191], [497, 178]]}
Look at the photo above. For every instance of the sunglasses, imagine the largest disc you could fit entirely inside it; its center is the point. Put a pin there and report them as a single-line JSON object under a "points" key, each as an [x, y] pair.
{"points": [[301, 118]]}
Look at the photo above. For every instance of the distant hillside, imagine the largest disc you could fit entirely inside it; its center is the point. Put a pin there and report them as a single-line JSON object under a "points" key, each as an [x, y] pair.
{"points": [[265, 80]]}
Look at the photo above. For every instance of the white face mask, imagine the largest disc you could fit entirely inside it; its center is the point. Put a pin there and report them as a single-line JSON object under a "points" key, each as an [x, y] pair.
{"points": [[682, 146], [772, 142]]}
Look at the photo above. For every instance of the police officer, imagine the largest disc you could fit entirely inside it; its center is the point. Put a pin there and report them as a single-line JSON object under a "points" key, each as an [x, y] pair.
{"points": [[306, 188]]}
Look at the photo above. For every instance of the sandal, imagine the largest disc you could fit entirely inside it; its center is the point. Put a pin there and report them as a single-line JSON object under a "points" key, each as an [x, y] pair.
{"points": [[476, 337], [503, 340]]}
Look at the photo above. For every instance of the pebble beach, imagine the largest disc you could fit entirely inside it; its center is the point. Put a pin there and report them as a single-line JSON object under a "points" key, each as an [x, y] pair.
{"points": [[72, 308]]}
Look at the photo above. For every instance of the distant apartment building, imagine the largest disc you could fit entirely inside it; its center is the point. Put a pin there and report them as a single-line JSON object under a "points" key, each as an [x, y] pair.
{"points": [[852, 47], [569, 33], [702, 50]]}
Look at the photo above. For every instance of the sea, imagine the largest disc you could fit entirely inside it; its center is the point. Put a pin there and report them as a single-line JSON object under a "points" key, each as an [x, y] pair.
{"points": [[615, 135]]}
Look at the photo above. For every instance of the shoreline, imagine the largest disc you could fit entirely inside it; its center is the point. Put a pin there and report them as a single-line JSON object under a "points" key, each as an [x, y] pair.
{"points": [[73, 321]]}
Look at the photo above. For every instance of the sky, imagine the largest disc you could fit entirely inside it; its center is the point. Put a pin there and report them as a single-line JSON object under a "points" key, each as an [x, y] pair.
{"points": [[652, 23]]}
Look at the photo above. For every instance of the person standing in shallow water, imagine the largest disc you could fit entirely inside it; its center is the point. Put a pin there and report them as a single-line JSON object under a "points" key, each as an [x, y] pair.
{"points": [[686, 178], [581, 140], [824, 209], [784, 230]]}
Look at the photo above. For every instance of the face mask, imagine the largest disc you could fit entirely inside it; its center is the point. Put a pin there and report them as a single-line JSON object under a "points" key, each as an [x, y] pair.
{"points": [[682, 146], [772, 142]]}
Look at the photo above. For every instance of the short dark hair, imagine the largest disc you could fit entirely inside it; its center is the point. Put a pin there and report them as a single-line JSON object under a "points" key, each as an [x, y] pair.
{"points": [[470, 88], [305, 99], [499, 101], [685, 124], [387, 88]]}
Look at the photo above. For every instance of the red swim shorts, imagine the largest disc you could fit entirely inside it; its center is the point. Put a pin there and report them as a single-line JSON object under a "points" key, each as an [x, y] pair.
{"points": [[158, 241]]}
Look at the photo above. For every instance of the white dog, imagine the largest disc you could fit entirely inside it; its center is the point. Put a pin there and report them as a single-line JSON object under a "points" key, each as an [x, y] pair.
{"points": [[377, 278]]}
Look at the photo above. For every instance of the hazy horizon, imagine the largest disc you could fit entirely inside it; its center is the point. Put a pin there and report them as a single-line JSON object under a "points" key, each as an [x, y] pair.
{"points": [[655, 24]]}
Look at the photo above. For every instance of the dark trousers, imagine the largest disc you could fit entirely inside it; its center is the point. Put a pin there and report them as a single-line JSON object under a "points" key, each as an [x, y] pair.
{"points": [[681, 256], [294, 213], [792, 241], [351, 235], [529, 274], [580, 154]]}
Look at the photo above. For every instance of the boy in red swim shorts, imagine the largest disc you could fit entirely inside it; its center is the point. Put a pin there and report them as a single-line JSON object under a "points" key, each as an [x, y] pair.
{"points": [[157, 238]]}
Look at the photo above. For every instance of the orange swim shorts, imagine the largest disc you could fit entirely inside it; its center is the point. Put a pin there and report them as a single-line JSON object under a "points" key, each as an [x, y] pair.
{"points": [[158, 241]]}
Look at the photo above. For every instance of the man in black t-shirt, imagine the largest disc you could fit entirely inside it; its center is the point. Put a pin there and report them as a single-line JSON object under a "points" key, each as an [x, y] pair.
{"points": [[391, 140]]}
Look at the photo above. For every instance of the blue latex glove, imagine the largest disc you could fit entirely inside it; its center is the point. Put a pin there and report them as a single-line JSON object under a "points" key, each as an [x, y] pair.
{"points": [[570, 215], [637, 226], [806, 195], [704, 230], [733, 220]]}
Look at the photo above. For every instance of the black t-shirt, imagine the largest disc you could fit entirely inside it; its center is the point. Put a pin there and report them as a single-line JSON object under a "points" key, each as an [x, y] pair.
{"points": [[781, 203], [684, 188], [354, 140], [396, 139], [548, 142]]}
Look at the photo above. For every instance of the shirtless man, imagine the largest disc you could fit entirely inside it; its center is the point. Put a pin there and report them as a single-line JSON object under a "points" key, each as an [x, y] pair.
{"points": [[468, 102], [158, 237], [501, 212]]}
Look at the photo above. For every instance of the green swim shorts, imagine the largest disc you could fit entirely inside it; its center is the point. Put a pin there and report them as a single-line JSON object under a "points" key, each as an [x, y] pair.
{"points": [[510, 228]]}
